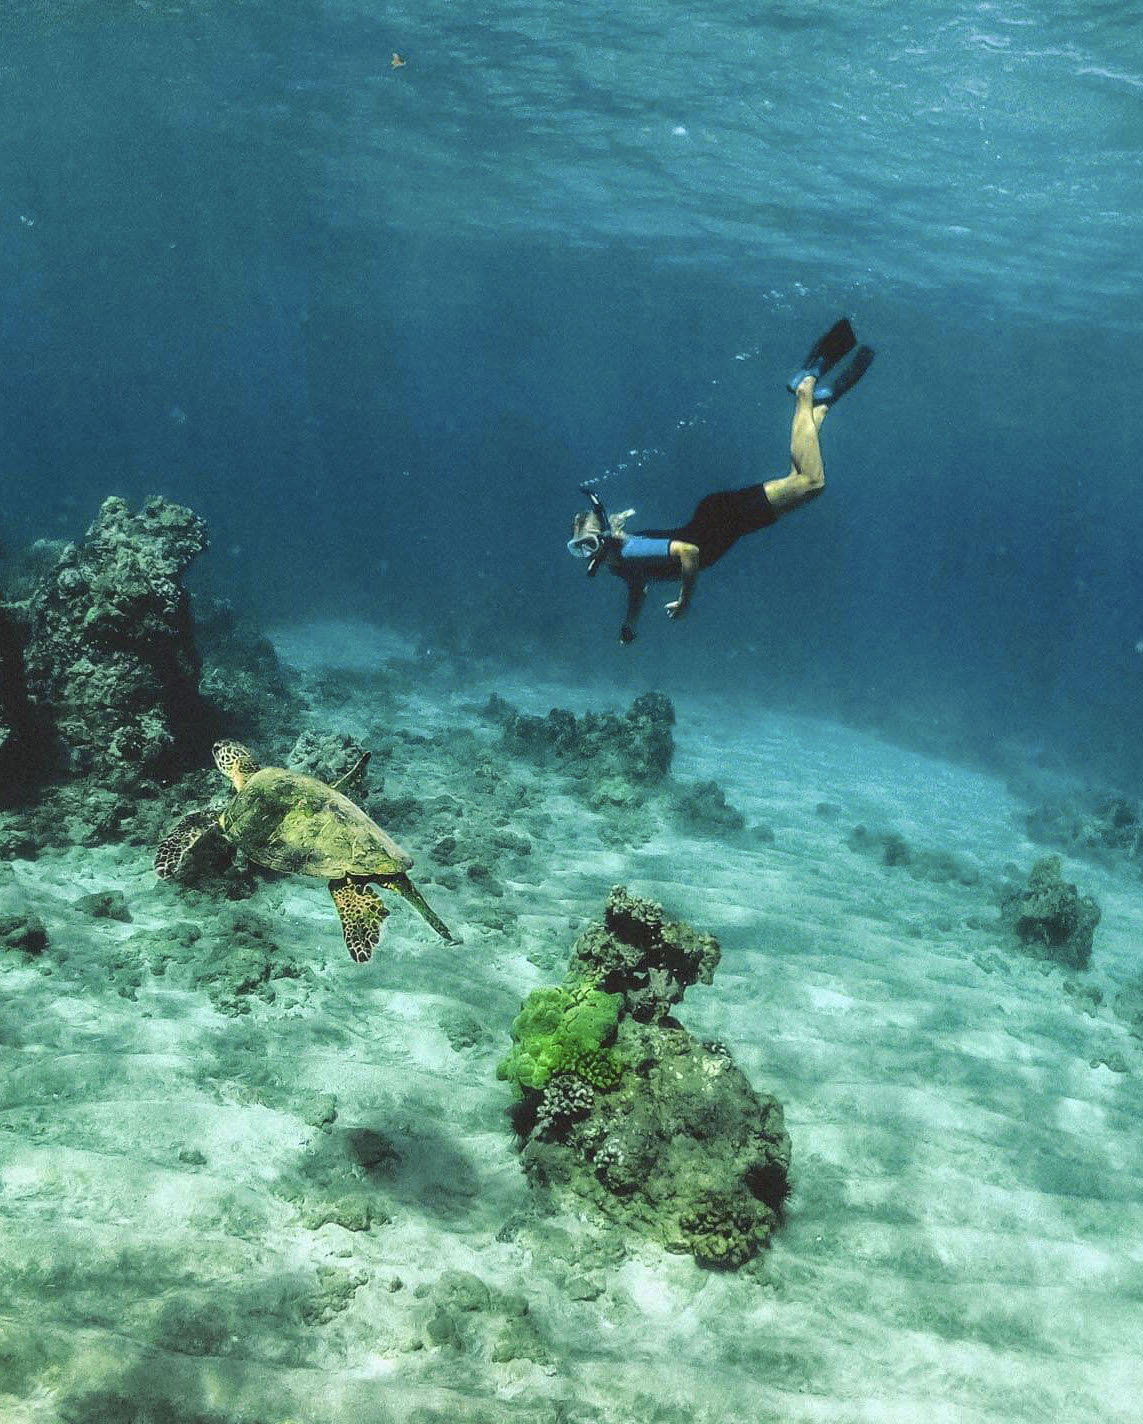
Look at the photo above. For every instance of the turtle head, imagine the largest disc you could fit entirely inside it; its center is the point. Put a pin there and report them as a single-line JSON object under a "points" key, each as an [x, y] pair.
{"points": [[234, 761]]}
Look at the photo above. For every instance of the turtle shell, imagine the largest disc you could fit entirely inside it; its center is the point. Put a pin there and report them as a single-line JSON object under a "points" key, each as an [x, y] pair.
{"points": [[300, 825]]}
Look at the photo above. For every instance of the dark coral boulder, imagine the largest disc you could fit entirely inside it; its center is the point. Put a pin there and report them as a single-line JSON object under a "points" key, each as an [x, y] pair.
{"points": [[637, 952], [1048, 917], [16, 723], [110, 659]]}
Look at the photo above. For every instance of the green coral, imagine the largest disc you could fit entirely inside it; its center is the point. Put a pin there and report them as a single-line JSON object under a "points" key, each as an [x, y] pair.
{"points": [[564, 1030], [598, 1066]]}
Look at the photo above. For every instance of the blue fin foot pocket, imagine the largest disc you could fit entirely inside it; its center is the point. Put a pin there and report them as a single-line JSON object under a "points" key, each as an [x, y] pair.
{"points": [[846, 378], [825, 353]]}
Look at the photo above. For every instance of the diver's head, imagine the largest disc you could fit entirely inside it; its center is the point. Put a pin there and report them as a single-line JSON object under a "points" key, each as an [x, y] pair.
{"points": [[588, 534]]}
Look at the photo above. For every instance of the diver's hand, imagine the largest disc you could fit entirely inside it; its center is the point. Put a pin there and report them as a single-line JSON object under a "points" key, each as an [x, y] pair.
{"points": [[678, 609], [627, 633]]}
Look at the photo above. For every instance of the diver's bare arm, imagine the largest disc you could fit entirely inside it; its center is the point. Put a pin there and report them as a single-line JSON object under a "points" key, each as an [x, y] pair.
{"points": [[688, 557], [636, 595]]}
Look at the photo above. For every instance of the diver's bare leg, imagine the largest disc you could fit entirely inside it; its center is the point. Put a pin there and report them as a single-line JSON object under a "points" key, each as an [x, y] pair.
{"points": [[806, 479]]}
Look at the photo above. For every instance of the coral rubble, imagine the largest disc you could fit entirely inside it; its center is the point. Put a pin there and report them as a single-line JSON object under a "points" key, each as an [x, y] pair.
{"points": [[330, 756], [889, 847]]}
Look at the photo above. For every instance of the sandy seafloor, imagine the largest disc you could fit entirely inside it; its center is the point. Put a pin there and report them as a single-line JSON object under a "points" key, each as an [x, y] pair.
{"points": [[965, 1238]]}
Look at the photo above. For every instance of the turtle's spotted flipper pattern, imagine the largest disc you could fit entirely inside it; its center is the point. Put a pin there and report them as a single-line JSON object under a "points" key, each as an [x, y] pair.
{"points": [[176, 845], [362, 915], [404, 886]]}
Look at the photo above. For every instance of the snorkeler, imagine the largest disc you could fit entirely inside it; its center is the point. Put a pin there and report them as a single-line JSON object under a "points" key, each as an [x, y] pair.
{"points": [[646, 556]]}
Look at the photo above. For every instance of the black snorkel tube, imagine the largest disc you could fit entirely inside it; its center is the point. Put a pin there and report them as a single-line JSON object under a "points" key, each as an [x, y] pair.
{"points": [[596, 503]]}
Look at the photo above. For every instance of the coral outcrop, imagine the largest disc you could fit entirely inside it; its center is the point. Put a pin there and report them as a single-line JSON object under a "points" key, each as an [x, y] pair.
{"points": [[1048, 917], [110, 659], [702, 808], [636, 747], [23, 930], [617, 764], [1100, 824], [616, 1103], [648, 960]]}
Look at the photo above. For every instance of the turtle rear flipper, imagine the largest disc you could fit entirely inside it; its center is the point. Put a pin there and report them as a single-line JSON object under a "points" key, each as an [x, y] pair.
{"points": [[404, 886], [176, 845], [362, 917]]}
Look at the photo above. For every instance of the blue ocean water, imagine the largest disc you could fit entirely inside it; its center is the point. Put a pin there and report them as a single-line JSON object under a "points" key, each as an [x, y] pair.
{"points": [[376, 322]]}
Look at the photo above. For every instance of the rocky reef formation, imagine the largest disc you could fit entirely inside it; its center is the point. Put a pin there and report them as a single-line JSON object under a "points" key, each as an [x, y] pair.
{"points": [[113, 683], [619, 766], [14, 710], [1102, 824], [635, 748], [618, 1104], [1048, 918], [110, 660], [329, 756]]}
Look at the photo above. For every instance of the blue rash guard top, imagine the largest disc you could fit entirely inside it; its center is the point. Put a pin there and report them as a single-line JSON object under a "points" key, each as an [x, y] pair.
{"points": [[642, 557]]}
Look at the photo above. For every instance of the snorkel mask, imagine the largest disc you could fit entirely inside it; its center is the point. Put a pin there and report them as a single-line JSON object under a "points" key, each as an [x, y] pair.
{"points": [[592, 545], [585, 546]]}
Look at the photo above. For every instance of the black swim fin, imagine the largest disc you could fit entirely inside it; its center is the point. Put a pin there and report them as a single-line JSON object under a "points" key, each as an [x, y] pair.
{"points": [[825, 353], [846, 378]]}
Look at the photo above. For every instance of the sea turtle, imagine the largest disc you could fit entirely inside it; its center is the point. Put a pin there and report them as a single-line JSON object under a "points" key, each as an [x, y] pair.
{"points": [[298, 824]]}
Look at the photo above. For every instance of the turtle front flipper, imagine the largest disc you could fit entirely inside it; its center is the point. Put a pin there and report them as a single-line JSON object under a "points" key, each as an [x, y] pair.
{"points": [[362, 916], [176, 845], [404, 886]]}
